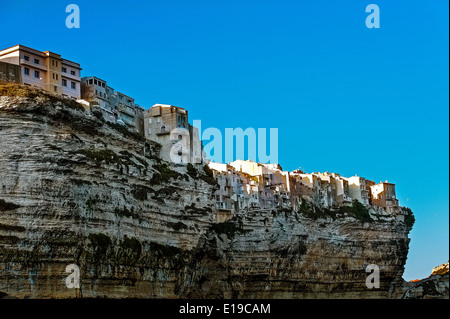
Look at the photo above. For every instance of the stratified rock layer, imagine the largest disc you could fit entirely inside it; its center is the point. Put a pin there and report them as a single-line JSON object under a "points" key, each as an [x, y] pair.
{"points": [[74, 190]]}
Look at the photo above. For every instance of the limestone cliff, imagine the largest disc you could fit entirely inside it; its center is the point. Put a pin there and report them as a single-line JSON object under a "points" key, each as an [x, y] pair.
{"points": [[75, 190], [435, 286]]}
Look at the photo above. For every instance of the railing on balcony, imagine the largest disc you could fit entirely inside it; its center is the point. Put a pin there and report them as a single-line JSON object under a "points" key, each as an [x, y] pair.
{"points": [[126, 109], [163, 130], [42, 67]]}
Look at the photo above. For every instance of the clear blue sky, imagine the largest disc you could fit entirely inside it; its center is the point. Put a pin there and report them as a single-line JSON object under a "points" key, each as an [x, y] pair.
{"points": [[345, 98]]}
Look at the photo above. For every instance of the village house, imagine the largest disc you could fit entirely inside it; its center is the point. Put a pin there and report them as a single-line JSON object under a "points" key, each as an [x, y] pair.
{"points": [[358, 189], [115, 106], [242, 184], [169, 125], [46, 70], [383, 195], [229, 198]]}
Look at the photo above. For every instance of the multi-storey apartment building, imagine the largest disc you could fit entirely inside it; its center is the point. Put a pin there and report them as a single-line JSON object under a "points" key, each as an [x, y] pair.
{"points": [[46, 70], [115, 106], [169, 125], [383, 194]]}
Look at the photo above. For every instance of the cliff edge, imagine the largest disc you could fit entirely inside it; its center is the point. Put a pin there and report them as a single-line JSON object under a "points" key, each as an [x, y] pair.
{"points": [[77, 190]]}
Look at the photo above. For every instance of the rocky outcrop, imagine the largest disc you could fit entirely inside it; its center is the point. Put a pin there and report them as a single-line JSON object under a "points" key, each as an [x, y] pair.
{"points": [[75, 190], [435, 286]]}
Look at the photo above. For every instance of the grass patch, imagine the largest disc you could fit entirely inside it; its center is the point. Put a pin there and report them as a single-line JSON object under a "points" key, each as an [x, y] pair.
{"points": [[356, 210], [16, 90]]}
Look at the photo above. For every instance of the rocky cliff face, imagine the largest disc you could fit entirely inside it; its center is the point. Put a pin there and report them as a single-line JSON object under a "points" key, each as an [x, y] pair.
{"points": [[435, 286], [74, 190]]}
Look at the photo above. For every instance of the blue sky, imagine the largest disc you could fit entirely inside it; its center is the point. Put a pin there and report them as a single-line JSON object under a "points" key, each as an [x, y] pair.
{"points": [[345, 98]]}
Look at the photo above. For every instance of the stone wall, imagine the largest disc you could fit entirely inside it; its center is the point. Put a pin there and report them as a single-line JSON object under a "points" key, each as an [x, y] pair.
{"points": [[10, 73]]}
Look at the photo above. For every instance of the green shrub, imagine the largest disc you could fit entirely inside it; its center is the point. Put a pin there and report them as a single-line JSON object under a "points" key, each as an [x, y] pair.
{"points": [[409, 218], [192, 172], [98, 114], [101, 155], [164, 175], [126, 132]]}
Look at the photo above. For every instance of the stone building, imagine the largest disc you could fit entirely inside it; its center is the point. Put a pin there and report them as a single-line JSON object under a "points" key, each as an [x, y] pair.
{"points": [[358, 189], [46, 70], [169, 126], [115, 106], [10, 73], [383, 195]]}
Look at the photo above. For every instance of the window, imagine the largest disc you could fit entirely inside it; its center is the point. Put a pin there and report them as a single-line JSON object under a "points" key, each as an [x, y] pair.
{"points": [[36, 61], [158, 120], [72, 72], [64, 69], [26, 58], [57, 76], [64, 82], [36, 74], [26, 71], [149, 121], [55, 88], [73, 85], [149, 131]]}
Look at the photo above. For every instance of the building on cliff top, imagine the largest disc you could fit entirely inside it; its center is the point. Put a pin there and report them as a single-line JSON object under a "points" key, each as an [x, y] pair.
{"points": [[383, 195], [267, 186], [46, 70], [115, 106], [169, 126]]}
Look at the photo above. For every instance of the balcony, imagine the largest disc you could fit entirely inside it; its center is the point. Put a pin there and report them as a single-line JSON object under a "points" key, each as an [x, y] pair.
{"points": [[42, 67], [126, 109], [163, 130]]}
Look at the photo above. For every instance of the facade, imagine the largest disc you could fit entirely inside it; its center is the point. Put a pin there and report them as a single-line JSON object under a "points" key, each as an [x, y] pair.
{"points": [[169, 125], [115, 106], [383, 195], [251, 185], [46, 70], [358, 189]]}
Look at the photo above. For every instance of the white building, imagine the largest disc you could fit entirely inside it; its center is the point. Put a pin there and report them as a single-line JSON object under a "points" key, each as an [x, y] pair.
{"points": [[46, 70]]}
